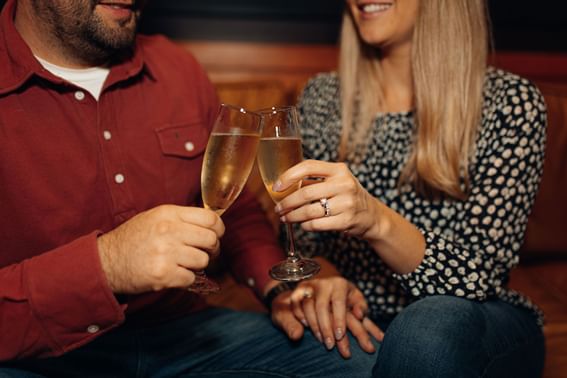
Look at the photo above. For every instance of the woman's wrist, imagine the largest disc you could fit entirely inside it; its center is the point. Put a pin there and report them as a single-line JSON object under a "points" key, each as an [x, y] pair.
{"points": [[379, 221]]}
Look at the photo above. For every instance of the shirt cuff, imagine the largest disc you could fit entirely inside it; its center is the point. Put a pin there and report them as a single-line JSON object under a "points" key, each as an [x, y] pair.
{"points": [[70, 296], [254, 271]]}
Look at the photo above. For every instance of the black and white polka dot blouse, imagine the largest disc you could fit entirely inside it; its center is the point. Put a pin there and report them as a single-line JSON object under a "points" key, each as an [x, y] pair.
{"points": [[471, 245]]}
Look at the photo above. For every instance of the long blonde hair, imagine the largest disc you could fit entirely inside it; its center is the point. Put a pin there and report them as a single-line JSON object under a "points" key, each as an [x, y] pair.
{"points": [[449, 51]]}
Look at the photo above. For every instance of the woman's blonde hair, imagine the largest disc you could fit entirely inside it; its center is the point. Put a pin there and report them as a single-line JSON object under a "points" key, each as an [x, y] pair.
{"points": [[449, 52]]}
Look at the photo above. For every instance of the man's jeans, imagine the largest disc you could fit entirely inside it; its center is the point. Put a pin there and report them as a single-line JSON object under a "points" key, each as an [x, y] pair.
{"points": [[212, 343], [439, 336]]}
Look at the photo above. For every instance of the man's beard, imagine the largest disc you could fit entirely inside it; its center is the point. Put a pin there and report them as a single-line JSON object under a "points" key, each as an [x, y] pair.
{"points": [[103, 43], [83, 33]]}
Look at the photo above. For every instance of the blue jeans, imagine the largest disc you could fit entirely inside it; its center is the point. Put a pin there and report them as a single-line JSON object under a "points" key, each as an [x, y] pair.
{"points": [[443, 336], [438, 336], [212, 343]]}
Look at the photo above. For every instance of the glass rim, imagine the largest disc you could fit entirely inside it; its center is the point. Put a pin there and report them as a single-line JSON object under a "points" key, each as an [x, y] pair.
{"points": [[275, 109], [240, 109]]}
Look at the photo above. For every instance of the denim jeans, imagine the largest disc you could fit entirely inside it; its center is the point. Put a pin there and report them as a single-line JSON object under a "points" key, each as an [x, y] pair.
{"points": [[439, 336], [212, 343], [443, 336]]}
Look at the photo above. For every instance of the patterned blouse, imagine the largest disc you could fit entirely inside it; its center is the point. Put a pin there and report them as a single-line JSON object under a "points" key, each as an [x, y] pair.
{"points": [[471, 244]]}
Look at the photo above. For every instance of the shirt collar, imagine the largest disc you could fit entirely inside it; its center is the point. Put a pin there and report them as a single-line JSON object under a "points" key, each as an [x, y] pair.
{"points": [[19, 65]]}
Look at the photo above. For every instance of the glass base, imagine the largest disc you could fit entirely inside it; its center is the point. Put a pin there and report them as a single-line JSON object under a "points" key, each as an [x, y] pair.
{"points": [[204, 285], [290, 270]]}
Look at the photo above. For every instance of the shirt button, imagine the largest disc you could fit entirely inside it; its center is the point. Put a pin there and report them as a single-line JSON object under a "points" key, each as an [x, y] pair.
{"points": [[250, 281], [80, 95], [93, 328], [119, 178], [107, 135], [189, 146]]}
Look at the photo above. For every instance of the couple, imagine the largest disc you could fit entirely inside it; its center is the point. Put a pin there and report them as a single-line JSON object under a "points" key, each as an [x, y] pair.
{"points": [[431, 163]]}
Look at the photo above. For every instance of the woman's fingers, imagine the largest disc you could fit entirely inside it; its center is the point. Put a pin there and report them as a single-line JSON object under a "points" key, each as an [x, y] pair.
{"points": [[297, 297], [360, 333], [311, 317], [373, 329], [307, 168], [343, 346], [339, 308], [323, 309]]}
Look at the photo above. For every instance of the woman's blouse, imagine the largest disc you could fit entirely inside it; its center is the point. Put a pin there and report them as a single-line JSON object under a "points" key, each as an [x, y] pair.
{"points": [[471, 244]]}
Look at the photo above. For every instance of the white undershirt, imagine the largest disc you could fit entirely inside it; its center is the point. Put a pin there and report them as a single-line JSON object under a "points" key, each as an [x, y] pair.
{"points": [[90, 79]]}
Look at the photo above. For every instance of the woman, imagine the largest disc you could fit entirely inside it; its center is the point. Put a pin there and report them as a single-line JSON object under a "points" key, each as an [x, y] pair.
{"points": [[430, 163]]}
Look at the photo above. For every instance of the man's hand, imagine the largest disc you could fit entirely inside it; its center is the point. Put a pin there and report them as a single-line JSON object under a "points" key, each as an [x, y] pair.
{"points": [[159, 248]]}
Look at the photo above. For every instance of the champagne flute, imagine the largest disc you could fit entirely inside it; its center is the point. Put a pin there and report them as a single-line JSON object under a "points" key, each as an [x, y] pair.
{"points": [[280, 149], [228, 160]]}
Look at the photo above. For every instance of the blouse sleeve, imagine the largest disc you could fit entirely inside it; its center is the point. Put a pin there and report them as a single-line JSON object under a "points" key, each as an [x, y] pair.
{"points": [[318, 107], [475, 261]]}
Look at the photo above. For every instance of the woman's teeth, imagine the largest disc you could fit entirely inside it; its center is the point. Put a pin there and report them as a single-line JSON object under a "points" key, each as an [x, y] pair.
{"points": [[375, 8]]}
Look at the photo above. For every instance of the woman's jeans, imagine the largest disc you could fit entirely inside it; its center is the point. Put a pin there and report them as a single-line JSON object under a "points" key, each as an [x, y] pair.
{"points": [[439, 336], [443, 336]]}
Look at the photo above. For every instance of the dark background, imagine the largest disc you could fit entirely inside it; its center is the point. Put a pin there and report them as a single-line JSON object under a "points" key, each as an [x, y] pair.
{"points": [[539, 25]]}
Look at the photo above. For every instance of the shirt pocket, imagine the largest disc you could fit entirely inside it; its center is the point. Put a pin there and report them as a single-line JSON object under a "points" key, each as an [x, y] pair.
{"points": [[184, 140], [182, 147]]}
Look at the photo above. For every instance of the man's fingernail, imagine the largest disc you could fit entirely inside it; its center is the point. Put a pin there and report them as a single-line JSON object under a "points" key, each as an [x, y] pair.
{"points": [[329, 343], [318, 336], [277, 186], [339, 333], [290, 332]]}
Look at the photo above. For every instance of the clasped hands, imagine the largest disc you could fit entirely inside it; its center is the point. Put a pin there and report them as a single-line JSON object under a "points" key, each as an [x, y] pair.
{"points": [[328, 307]]}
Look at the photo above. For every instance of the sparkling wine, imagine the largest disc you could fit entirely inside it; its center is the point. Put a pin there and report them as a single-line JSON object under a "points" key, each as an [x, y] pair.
{"points": [[275, 156], [228, 160]]}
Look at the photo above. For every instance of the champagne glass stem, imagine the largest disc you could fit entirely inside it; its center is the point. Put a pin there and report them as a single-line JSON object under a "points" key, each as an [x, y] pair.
{"points": [[202, 284], [293, 268], [292, 254]]}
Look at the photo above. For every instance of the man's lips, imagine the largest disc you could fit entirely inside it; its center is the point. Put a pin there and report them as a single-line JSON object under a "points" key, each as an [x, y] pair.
{"points": [[117, 4], [116, 9]]}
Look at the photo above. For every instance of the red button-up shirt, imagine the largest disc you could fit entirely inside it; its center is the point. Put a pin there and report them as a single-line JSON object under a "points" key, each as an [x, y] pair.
{"points": [[72, 167]]}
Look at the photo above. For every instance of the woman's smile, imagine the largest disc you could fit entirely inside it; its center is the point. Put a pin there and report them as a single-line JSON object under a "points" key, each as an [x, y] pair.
{"points": [[372, 9]]}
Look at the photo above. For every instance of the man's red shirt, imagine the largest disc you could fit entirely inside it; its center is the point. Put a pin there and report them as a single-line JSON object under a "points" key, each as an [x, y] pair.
{"points": [[72, 168]]}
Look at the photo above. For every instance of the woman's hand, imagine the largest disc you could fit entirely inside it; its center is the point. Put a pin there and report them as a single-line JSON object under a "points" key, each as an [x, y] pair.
{"points": [[329, 307], [348, 208]]}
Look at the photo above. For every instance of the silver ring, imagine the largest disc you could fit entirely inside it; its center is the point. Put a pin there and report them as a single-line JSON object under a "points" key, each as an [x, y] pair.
{"points": [[325, 205]]}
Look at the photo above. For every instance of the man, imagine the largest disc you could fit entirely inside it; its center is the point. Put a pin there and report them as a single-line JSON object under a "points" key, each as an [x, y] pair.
{"points": [[102, 135]]}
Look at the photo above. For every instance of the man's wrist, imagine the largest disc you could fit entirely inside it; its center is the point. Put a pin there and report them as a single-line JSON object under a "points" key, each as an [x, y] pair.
{"points": [[277, 290]]}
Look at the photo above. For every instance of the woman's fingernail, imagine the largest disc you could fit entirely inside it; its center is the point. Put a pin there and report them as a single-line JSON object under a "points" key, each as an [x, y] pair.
{"points": [[318, 336], [277, 186], [339, 333], [329, 343], [304, 322], [278, 208], [282, 219]]}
